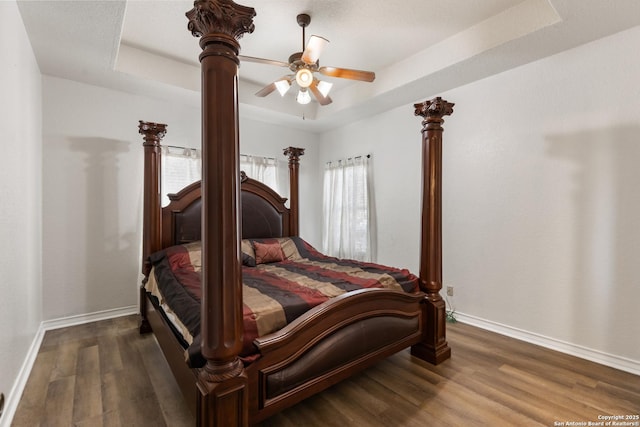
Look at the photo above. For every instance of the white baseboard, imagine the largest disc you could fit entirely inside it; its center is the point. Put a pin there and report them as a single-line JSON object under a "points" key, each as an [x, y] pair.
{"points": [[13, 399], [611, 360], [81, 319]]}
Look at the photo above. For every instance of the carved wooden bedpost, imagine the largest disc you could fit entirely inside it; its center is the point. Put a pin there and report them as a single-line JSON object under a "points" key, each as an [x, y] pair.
{"points": [[222, 382], [434, 347], [294, 162], [152, 134]]}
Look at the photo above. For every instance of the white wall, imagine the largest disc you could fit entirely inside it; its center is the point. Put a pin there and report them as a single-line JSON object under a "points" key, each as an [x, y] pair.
{"points": [[21, 191], [92, 202], [541, 200], [93, 160]]}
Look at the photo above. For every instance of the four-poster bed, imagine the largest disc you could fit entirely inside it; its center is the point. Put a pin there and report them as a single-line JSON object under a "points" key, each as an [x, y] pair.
{"points": [[326, 344]]}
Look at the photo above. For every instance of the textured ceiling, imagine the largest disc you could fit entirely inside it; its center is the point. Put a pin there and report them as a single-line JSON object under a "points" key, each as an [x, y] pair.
{"points": [[363, 34], [418, 48]]}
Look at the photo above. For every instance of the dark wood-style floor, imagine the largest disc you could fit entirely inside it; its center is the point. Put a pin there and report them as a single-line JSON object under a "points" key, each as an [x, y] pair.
{"points": [[105, 373]]}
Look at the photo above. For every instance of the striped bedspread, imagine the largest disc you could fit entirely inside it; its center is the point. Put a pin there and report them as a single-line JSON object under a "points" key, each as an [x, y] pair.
{"points": [[282, 279]]}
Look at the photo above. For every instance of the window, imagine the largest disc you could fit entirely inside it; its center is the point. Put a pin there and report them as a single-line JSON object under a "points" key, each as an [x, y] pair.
{"points": [[347, 231], [263, 169], [180, 167], [183, 166]]}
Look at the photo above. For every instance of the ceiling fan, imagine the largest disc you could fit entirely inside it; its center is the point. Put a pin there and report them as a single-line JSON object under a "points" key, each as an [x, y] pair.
{"points": [[303, 65]]}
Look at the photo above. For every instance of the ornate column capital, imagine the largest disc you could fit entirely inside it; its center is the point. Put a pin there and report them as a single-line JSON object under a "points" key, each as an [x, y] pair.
{"points": [[433, 110], [152, 133], [220, 17], [294, 154]]}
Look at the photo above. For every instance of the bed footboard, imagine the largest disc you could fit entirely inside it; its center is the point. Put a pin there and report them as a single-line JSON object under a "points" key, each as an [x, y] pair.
{"points": [[330, 343]]}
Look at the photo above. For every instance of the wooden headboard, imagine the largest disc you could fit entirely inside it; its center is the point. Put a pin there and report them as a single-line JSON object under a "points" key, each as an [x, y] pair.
{"points": [[262, 210], [263, 213]]}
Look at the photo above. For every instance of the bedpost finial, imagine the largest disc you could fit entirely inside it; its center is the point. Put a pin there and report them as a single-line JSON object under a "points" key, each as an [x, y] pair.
{"points": [[220, 16], [293, 153], [152, 132], [436, 108]]}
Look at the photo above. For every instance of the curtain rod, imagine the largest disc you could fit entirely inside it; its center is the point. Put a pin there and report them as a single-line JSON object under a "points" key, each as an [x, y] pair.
{"points": [[252, 155], [368, 156], [180, 148], [197, 149]]}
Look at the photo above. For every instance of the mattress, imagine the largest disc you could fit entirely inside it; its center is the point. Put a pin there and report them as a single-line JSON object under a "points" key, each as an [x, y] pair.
{"points": [[281, 279]]}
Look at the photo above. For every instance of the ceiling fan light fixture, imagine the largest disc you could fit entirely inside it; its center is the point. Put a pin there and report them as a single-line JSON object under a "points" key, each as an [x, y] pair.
{"points": [[283, 86], [303, 97], [324, 88], [304, 77], [304, 65]]}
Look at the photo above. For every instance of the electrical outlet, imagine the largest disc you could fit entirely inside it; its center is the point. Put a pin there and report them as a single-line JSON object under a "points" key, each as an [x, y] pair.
{"points": [[449, 291]]}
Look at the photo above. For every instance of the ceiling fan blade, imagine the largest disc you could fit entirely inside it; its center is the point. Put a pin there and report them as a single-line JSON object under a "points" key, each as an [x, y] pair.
{"points": [[345, 73], [322, 100], [314, 48], [263, 61], [266, 90]]}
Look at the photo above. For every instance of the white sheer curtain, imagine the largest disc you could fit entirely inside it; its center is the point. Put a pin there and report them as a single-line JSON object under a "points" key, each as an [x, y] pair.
{"points": [[263, 169], [180, 167], [347, 231]]}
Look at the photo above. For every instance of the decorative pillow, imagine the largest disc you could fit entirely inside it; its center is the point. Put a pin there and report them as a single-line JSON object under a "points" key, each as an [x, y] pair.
{"points": [[248, 254], [268, 252], [289, 248]]}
